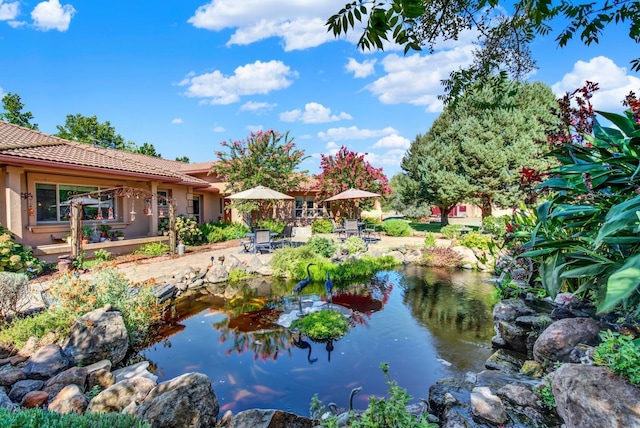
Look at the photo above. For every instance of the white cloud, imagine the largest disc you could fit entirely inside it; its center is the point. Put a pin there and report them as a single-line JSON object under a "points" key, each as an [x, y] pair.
{"points": [[176, 121], [254, 128], [257, 78], [392, 141], [354, 133], [313, 113], [16, 24], [1, 92], [614, 82], [415, 79], [389, 158], [51, 15], [360, 69], [299, 23], [219, 129], [9, 10], [256, 106]]}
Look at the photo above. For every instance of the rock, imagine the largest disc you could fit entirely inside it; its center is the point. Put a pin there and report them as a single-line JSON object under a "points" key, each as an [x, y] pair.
{"points": [[6, 402], [505, 361], [97, 335], [442, 391], [45, 363], [34, 399], [186, 401], [515, 336], [557, 341], [488, 406], [70, 399], [14, 360], [269, 418], [11, 376], [231, 262], [582, 354], [217, 274], [453, 418], [467, 255], [118, 396], [255, 264], [74, 375], [101, 378], [21, 388], [591, 396], [518, 394], [133, 371], [510, 309], [532, 368], [100, 365]]}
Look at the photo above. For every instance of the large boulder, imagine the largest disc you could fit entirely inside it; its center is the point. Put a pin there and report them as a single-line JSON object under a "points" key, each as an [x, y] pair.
{"points": [[558, 340], [269, 418], [118, 396], [186, 401], [45, 363], [21, 388], [98, 335], [591, 396], [73, 375], [70, 399], [135, 370]]}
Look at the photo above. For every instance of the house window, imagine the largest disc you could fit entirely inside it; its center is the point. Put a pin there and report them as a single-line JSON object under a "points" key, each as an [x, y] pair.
{"points": [[311, 206], [52, 203], [298, 206]]}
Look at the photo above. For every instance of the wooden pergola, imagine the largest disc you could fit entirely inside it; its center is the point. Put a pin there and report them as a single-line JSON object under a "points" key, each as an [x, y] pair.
{"points": [[75, 223]]}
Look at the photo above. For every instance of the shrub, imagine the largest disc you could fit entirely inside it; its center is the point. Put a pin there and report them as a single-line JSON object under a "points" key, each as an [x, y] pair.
{"points": [[451, 231], [16, 257], [32, 418], [14, 288], [441, 257], [620, 353], [476, 240], [153, 249], [430, 240], [187, 231], [381, 412], [322, 226], [238, 275], [292, 262], [272, 224], [102, 255], [363, 267], [234, 230], [20, 330], [139, 306], [322, 325], [396, 227], [355, 244], [322, 246], [497, 226]]}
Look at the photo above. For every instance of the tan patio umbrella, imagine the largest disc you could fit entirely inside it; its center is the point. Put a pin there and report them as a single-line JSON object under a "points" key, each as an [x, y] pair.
{"points": [[352, 195], [258, 193]]}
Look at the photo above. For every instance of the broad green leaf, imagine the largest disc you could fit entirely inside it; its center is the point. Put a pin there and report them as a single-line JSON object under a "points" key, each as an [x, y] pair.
{"points": [[549, 273], [621, 284], [583, 271], [627, 126]]}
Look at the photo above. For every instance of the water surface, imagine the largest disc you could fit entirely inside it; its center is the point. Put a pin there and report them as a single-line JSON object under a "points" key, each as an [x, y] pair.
{"points": [[426, 324]]}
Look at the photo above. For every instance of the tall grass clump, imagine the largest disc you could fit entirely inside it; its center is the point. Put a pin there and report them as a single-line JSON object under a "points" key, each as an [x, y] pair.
{"points": [[38, 418]]}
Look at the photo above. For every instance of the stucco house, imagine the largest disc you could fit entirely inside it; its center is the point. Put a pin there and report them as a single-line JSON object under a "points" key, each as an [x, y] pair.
{"points": [[42, 172]]}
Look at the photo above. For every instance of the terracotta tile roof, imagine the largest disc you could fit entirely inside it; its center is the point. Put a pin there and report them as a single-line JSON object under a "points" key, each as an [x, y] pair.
{"points": [[23, 144]]}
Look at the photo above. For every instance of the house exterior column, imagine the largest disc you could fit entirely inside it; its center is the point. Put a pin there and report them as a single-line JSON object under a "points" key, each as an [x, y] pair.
{"points": [[13, 210], [153, 220]]}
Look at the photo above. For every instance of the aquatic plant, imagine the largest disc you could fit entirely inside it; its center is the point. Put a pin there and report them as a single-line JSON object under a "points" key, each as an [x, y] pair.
{"points": [[323, 325]]}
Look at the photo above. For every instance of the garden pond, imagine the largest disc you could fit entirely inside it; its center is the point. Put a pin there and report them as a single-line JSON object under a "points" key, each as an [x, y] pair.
{"points": [[425, 323]]}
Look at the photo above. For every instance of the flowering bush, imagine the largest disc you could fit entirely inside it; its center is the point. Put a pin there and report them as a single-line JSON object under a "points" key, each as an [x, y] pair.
{"points": [[16, 257], [187, 231]]}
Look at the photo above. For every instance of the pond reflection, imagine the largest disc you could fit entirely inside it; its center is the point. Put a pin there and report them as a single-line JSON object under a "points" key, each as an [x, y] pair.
{"points": [[426, 324]]}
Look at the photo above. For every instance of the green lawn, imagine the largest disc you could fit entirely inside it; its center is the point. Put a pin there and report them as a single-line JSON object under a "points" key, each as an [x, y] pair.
{"points": [[425, 227]]}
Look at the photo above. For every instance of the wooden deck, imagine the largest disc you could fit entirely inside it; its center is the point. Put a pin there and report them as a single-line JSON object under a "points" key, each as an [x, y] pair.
{"points": [[51, 252]]}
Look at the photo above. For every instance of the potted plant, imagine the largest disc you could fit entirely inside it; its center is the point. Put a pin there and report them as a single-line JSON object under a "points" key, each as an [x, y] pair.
{"points": [[104, 230], [86, 234], [119, 235]]}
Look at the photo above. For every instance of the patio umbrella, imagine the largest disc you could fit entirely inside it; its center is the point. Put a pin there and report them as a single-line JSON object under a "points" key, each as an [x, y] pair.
{"points": [[352, 194], [259, 193]]}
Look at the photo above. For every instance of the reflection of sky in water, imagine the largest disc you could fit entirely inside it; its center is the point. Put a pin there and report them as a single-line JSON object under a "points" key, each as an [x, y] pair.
{"points": [[399, 334]]}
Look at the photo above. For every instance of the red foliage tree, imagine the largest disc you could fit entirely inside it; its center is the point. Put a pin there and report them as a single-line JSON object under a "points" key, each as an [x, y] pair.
{"points": [[348, 170]]}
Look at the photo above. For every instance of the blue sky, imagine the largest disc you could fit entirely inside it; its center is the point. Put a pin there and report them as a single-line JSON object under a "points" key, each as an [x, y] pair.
{"points": [[186, 75]]}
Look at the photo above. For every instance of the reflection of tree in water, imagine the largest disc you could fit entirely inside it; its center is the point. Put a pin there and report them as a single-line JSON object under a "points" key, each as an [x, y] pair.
{"points": [[446, 305]]}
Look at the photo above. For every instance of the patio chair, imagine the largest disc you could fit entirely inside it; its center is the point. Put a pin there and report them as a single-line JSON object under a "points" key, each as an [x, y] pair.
{"points": [[350, 229], [262, 241], [285, 238]]}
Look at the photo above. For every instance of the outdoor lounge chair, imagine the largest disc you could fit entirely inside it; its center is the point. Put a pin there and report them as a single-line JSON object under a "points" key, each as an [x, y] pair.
{"points": [[285, 238], [350, 229], [262, 241]]}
